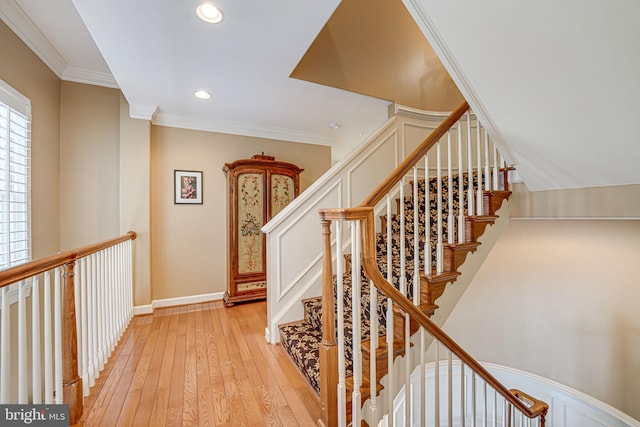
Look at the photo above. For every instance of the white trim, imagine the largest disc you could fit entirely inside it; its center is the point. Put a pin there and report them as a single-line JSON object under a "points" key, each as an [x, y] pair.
{"points": [[414, 113], [555, 388], [16, 19], [238, 128], [171, 302], [91, 77], [565, 403], [144, 112], [576, 218], [140, 310]]}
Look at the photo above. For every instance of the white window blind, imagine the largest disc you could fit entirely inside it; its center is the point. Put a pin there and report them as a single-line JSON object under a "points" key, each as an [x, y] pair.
{"points": [[15, 177]]}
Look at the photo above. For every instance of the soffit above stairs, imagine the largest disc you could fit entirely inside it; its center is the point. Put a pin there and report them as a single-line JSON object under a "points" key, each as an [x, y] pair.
{"points": [[376, 49]]}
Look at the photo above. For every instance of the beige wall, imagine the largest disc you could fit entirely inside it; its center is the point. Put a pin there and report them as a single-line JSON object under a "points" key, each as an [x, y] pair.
{"points": [[135, 198], [622, 201], [89, 164], [188, 245], [559, 298], [25, 72]]}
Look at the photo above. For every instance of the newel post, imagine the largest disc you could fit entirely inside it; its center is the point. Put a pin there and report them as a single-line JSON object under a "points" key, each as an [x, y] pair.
{"points": [[328, 348], [71, 382]]}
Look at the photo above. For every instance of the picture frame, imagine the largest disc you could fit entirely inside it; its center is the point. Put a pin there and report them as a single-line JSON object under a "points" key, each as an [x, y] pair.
{"points": [[187, 187]]}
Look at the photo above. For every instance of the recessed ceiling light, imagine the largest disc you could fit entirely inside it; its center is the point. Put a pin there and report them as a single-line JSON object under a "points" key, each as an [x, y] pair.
{"points": [[203, 94], [333, 125], [209, 13]]}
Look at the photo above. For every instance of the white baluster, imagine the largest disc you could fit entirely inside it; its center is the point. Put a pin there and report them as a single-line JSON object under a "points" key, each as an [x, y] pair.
{"points": [[102, 334], [23, 378], [495, 408], [479, 199], [93, 316], [460, 187], [342, 388], [5, 348], [403, 261], [48, 343], [451, 226], [83, 332], [486, 407], [373, 345], [36, 361], [57, 334], [436, 383], [487, 171], [503, 164], [130, 278], [450, 390], [474, 403], [357, 326], [463, 395], [423, 376], [407, 371], [390, 333], [470, 193], [496, 172], [427, 218], [416, 239], [110, 307], [439, 245]]}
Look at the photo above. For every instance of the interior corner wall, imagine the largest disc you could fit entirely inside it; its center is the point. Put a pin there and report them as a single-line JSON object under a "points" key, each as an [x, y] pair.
{"points": [[559, 298], [89, 164], [189, 242], [25, 72], [135, 198], [619, 201]]}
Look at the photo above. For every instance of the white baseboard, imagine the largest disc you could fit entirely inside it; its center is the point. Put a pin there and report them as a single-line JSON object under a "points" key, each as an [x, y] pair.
{"points": [[171, 302]]}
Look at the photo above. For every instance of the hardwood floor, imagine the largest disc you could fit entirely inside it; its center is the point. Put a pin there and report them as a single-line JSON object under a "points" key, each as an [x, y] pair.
{"points": [[200, 365]]}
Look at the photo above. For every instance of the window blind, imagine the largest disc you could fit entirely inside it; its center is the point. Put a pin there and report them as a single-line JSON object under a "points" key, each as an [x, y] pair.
{"points": [[15, 173]]}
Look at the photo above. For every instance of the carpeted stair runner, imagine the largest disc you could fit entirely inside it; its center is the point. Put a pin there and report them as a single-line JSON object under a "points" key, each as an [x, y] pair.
{"points": [[301, 339]]}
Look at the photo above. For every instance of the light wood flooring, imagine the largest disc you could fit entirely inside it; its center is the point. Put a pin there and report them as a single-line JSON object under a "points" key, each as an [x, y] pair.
{"points": [[200, 365]]}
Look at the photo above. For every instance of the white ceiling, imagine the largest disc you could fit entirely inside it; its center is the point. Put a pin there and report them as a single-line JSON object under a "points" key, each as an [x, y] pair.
{"points": [[159, 56], [556, 83]]}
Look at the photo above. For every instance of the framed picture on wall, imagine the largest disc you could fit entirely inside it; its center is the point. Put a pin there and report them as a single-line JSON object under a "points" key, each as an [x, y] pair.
{"points": [[187, 187]]}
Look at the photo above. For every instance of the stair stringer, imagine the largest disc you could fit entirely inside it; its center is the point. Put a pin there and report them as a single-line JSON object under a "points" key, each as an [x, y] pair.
{"points": [[446, 304]]}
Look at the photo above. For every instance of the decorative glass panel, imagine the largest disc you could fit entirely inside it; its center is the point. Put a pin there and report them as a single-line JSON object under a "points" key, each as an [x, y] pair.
{"points": [[282, 192], [250, 221]]}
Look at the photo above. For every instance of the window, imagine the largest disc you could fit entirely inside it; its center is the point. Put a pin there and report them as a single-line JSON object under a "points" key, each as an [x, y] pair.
{"points": [[15, 177]]}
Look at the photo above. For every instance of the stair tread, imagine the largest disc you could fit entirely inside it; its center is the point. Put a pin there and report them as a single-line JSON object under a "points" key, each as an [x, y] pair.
{"points": [[302, 339]]}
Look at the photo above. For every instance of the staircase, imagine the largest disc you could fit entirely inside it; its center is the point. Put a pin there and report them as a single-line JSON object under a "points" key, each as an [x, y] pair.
{"points": [[389, 276]]}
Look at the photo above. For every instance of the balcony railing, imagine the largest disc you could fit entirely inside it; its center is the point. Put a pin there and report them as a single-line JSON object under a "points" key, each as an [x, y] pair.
{"points": [[72, 308]]}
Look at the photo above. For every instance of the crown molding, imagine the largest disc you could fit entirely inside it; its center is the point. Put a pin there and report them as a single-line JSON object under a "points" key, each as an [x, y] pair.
{"points": [[20, 23], [23, 26], [244, 129], [92, 77], [144, 112]]}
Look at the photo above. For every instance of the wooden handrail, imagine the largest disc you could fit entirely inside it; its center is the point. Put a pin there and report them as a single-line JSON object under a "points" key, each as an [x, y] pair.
{"points": [[72, 383], [387, 185], [35, 267], [32, 268], [370, 265], [97, 247], [365, 213]]}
